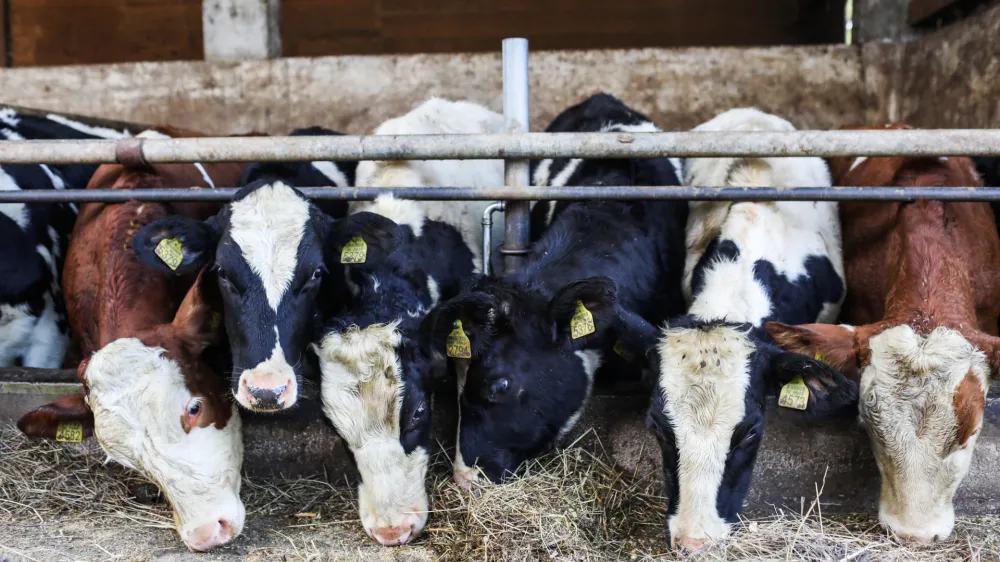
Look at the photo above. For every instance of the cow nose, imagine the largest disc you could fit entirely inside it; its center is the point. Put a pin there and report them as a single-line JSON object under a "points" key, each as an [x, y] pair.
{"points": [[211, 535], [689, 544], [265, 392], [915, 539], [465, 476], [395, 535]]}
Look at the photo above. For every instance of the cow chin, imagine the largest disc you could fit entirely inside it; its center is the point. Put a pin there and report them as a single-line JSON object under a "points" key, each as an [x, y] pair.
{"points": [[392, 499]]}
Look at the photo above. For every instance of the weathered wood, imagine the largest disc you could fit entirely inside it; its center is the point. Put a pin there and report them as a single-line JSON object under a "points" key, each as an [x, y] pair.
{"points": [[881, 20], [4, 34], [236, 30], [51, 32]]}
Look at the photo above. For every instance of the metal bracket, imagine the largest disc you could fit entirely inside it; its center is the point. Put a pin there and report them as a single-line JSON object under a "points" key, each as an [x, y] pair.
{"points": [[129, 153]]}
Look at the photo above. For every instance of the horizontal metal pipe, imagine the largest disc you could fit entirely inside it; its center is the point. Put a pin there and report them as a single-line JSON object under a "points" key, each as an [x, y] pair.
{"points": [[941, 142], [529, 194]]}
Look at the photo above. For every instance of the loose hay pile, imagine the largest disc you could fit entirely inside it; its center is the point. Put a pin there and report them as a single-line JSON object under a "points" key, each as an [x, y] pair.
{"points": [[570, 505]]}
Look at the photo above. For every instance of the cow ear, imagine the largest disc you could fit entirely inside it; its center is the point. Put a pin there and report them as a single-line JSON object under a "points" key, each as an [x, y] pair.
{"points": [[198, 320], [636, 339], [809, 385], [830, 343], [584, 311], [68, 411], [176, 244], [470, 315], [363, 240]]}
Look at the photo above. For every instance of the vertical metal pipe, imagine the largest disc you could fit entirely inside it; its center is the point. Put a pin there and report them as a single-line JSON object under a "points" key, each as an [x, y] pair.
{"points": [[488, 234], [517, 235]]}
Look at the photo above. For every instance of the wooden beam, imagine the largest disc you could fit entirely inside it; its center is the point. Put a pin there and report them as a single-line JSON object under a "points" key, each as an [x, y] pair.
{"points": [[241, 30], [4, 34], [921, 10]]}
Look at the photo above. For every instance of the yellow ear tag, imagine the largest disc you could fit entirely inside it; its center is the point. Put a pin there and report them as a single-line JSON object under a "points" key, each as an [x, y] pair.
{"points": [[171, 251], [794, 395], [582, 322], [457, 345], [355, 251], [619, 348], [70, 432], [819, 358]]}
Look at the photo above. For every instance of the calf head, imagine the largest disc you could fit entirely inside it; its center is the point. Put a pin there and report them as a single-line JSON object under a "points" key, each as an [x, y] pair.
{"points": [[158, 408], [378, 378], [266, 249], [531, 368], [708, 415], [921, 401]]}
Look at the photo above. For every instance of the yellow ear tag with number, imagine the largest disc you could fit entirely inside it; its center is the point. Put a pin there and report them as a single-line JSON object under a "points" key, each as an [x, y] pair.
{"points": [[70, 432], [355, 251], [794, 395], [619, 348], [582, 322], [171, 251], [457, 345]]}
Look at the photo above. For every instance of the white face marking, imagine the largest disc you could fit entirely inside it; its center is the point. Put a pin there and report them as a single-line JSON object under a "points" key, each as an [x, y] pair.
{"points": [[275, 367], [906, 404], [268, 225], [591, 360], [204, 174], [332, 173], [435, 292], [138, 398], [857, 162], [542, 173], [703, 377], [568, 170], [362, 396], [100, 132]]}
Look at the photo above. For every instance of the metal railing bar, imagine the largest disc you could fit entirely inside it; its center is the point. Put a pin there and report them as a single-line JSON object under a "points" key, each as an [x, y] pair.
{"points": [[528, 194], [910, 142]]}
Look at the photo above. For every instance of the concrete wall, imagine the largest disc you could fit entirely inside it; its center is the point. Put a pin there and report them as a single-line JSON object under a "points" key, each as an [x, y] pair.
{"points": [[812, 86]]}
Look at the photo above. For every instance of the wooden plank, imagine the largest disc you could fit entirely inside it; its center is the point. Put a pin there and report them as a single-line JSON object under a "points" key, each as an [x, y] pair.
{"points": [[921, 10], [4, 35], [50, 32], [336, 27], [236, 30]]}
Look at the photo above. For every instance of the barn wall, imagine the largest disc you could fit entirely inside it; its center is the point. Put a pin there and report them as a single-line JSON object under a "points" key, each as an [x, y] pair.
{"points": [[815, 87]]}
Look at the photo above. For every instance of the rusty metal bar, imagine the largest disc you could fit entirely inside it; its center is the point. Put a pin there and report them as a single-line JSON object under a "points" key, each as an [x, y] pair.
{"points": [[517, 214], [567, 193], [927, 142]]}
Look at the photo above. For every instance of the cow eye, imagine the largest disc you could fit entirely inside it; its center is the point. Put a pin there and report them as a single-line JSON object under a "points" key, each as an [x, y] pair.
{"points": [[500, 386], [194, 407], [318, 273]]}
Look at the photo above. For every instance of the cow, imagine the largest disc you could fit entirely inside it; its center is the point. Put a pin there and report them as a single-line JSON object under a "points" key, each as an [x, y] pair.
{"points": [[378, 374], [747, 263], [153, 395], [534, 338], [919, 333], [33, 329], [268, 251]]}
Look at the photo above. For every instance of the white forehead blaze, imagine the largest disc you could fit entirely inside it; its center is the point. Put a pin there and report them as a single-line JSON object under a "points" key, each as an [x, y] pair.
{"points": [[268, 225], [906, 403], [362, 392], [704, 375], [138, 396]]}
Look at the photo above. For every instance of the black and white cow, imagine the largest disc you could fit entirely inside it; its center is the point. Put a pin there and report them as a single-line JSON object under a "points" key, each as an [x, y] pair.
{"points": [[378, 374], [33, 328], [534, 351], [278, 282], [747, 263]]}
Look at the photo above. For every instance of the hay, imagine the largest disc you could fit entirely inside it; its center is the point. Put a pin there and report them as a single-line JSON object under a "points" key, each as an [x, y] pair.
{"points": [[573, 504]]}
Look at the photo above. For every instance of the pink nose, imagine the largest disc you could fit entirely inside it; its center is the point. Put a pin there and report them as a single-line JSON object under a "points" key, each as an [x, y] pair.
{"points": [[211, 535], [689, 544], [266, 392], [394, 536], [914, 539]]}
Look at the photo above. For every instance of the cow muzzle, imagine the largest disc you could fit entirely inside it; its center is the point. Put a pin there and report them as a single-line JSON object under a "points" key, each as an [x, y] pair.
{"points": [[263, 390]]}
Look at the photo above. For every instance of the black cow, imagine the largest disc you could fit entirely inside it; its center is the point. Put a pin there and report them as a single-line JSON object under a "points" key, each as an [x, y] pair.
{"points": [[537, 336]]}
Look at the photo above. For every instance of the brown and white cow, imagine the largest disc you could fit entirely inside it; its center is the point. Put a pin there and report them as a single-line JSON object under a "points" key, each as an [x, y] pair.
{"points": [[922, 306], [152, 398]]}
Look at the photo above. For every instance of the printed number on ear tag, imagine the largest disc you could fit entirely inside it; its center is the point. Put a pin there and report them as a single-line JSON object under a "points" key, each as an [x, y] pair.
{"points": [[457, 345], [619, 348], [355, 251], [70, 432], [794, 395], [171, 252], [582, 322]]}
